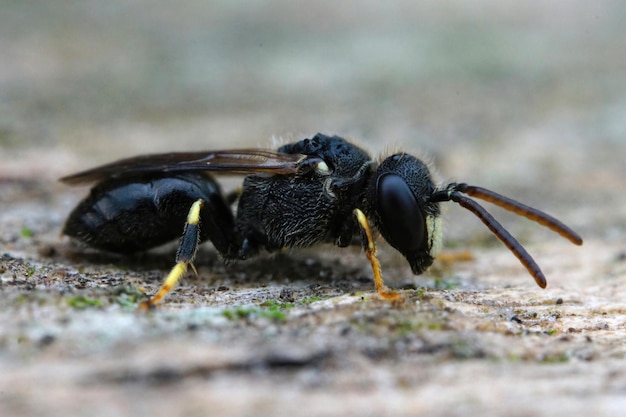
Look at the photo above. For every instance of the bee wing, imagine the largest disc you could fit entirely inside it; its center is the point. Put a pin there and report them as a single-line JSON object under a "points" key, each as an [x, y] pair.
{"points": [[238, 161]]}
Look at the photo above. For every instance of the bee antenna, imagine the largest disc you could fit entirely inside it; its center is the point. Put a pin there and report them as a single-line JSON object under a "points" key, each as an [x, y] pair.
{"points": [[520, 209], [453, 193]]}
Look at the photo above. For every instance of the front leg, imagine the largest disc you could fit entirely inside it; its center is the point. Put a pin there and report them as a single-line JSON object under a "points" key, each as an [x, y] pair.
{"points": [[370, 251]]}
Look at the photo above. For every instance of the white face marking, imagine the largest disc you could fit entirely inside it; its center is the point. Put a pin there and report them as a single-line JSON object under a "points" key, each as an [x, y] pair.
{"points": [[435, 235]]}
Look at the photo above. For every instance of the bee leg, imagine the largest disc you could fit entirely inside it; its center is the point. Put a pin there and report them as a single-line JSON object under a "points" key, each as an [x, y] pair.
{"points": [[370, 251], [184, 256], [346, 234], [233, 196]]}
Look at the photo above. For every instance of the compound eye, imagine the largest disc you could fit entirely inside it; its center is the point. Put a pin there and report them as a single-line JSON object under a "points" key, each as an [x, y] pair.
{"points": [[401, 217]]}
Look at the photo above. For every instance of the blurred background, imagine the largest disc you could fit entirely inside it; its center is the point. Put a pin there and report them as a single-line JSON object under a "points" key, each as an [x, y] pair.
{"points": [[526, 98]]}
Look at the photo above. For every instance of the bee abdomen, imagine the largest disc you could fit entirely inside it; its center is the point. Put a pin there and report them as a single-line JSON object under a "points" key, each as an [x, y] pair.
{"points": [[125, 217]]}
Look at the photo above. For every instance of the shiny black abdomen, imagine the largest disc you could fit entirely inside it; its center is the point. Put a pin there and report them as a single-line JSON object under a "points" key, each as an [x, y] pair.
{"points": [[135, 214]]}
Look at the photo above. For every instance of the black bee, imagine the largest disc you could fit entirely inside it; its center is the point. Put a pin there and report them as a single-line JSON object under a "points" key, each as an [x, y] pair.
{"points": [[317, 190]]}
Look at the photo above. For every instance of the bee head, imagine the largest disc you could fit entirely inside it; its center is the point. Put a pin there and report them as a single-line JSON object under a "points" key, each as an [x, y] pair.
{"points": [[399, 204]]}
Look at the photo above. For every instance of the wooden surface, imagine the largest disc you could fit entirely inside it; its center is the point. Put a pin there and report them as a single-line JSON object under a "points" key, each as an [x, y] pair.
{"points": [[526, 100]]}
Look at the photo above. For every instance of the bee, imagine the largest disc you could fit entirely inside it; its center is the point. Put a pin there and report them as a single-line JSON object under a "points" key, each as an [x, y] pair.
{"points": [[322, 189]]}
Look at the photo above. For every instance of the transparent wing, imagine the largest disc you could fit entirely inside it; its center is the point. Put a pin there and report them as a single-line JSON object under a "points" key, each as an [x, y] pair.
{"points": [[238, 161]]}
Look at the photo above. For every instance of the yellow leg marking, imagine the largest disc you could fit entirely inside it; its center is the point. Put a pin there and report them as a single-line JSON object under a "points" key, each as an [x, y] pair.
{"points": [[194, 212], [193, 218], [370, 252], [168, 285]]}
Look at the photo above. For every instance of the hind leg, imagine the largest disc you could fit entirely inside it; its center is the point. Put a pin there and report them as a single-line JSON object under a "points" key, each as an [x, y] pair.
{"points": [[218, 229], [187, 249]]}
